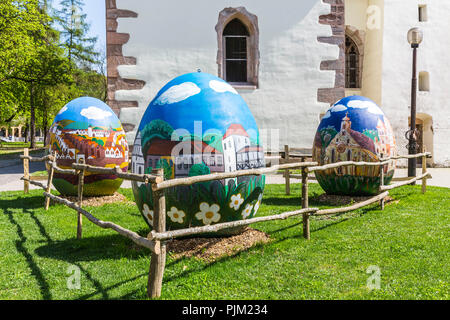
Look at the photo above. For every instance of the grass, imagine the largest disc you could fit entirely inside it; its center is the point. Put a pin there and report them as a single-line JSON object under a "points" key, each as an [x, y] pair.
{"points": [[42, 173], [19, 144], [12, 150], [408, 242]]}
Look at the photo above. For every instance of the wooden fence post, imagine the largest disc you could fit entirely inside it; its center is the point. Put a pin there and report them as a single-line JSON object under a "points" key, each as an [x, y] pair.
{"points": [[158, 261], [287, 177], [381, 185], [424, 170], [26, 171], [305, 203], [50, 179], [80, 200]]}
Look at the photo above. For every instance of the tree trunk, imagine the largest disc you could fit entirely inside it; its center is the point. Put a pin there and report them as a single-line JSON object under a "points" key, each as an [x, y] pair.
{"points": [[32, 118], [44, 125], [25, 132]]}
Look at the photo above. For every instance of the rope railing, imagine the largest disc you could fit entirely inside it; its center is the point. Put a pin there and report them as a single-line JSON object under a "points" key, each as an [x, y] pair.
{"points": [[156, 239]]}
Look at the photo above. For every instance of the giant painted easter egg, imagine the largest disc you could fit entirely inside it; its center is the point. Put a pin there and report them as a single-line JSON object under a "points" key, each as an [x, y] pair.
{"points": [[353, 129], [198, 124], [87, 129]]}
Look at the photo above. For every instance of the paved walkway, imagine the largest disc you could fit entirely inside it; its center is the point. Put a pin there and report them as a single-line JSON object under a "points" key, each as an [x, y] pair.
{"points": [[440, 177], [12, 170]]}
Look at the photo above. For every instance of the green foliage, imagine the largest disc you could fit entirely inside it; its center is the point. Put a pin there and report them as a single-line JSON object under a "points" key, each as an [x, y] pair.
{"points": [[155, 129], [79, 47], [40, 71], [327, 134], [98, 141], [372, 134], [167, 165], [199, 169]]}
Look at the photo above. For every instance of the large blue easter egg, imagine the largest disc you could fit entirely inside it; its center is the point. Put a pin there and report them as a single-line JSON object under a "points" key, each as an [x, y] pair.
{"points": [[198, 124], [87, 129], [354, 129]]}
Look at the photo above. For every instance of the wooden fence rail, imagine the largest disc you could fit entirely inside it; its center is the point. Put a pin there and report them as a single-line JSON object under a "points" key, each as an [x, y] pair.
{"points": [[156, 239]]}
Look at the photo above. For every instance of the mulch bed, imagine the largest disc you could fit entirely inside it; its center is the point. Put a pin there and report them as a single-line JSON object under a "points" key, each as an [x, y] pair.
{"points": [[211, 249], [99, 201]]}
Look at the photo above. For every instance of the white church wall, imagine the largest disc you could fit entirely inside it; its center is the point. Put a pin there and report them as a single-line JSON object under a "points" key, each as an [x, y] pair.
{"points": [[169, 38], [399, 17]]}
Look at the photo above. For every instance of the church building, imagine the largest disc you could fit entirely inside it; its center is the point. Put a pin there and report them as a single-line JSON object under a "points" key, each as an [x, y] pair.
{"points": [[289, 60]]}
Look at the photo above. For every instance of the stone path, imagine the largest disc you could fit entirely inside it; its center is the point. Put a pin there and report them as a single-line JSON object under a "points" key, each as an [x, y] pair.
{"points": [[12, 170]]}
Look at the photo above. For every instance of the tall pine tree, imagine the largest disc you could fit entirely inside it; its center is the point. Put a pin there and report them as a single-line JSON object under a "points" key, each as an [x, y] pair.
{"points": [[74, 35]]}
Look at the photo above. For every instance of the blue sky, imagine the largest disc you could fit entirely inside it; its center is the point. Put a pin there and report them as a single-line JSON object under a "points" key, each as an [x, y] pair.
{"points": [[95, 11]]}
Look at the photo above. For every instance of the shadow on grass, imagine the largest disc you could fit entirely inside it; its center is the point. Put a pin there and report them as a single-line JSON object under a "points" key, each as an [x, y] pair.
{"points": [[72, 251], [332, 220], [291, 201], [95, 248], [27, 203], [207, 264]]}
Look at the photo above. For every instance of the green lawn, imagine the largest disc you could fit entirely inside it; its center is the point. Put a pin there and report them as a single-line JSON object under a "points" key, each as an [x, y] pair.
{"points": [[12, 150], [409, 242]]}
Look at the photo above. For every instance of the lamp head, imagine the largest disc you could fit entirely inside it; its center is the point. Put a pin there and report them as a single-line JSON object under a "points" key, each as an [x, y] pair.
{"points": [[415, 37]]}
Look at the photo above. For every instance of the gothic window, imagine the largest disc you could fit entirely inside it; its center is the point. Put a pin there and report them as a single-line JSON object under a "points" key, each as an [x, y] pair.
{"points": [[238, 53], [352, 69], [235, 37]]}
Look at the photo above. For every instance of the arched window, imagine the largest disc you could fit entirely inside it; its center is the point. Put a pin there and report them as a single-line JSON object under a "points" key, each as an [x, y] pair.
{"points": [[352, 63], [235, 37], [238, 54]]}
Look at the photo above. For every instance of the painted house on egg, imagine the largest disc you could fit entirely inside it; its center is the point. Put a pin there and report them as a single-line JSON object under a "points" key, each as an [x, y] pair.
{"points": [[289, 60]]}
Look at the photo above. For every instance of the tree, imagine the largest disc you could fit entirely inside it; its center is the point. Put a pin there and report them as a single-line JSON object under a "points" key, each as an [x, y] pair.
{"points": [[199, 169], [20, 22], [45, 65], [29, 57], [41, 68], [79, 47]]}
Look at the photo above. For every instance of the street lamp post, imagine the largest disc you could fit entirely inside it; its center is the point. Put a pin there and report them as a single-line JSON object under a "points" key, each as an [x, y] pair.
{"points": [[415, 37]]}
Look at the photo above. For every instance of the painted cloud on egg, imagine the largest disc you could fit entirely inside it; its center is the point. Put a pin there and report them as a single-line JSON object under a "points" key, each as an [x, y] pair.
{"points": [[327, 115], [221, 87], [338, 107], [95, 113], [178, 93], [361, 104]]}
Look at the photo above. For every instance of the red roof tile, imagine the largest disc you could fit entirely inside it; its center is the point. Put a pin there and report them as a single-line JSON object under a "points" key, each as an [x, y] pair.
{"points": [[235, 129]]}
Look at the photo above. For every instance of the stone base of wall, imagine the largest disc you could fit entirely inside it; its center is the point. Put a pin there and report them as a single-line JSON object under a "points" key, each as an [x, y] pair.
{"points": [[114, 56]]}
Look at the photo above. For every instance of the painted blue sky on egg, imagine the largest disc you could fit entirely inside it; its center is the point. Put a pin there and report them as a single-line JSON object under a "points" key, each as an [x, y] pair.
{"points": [[88, 111], [363, 113], [201, 97]]}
